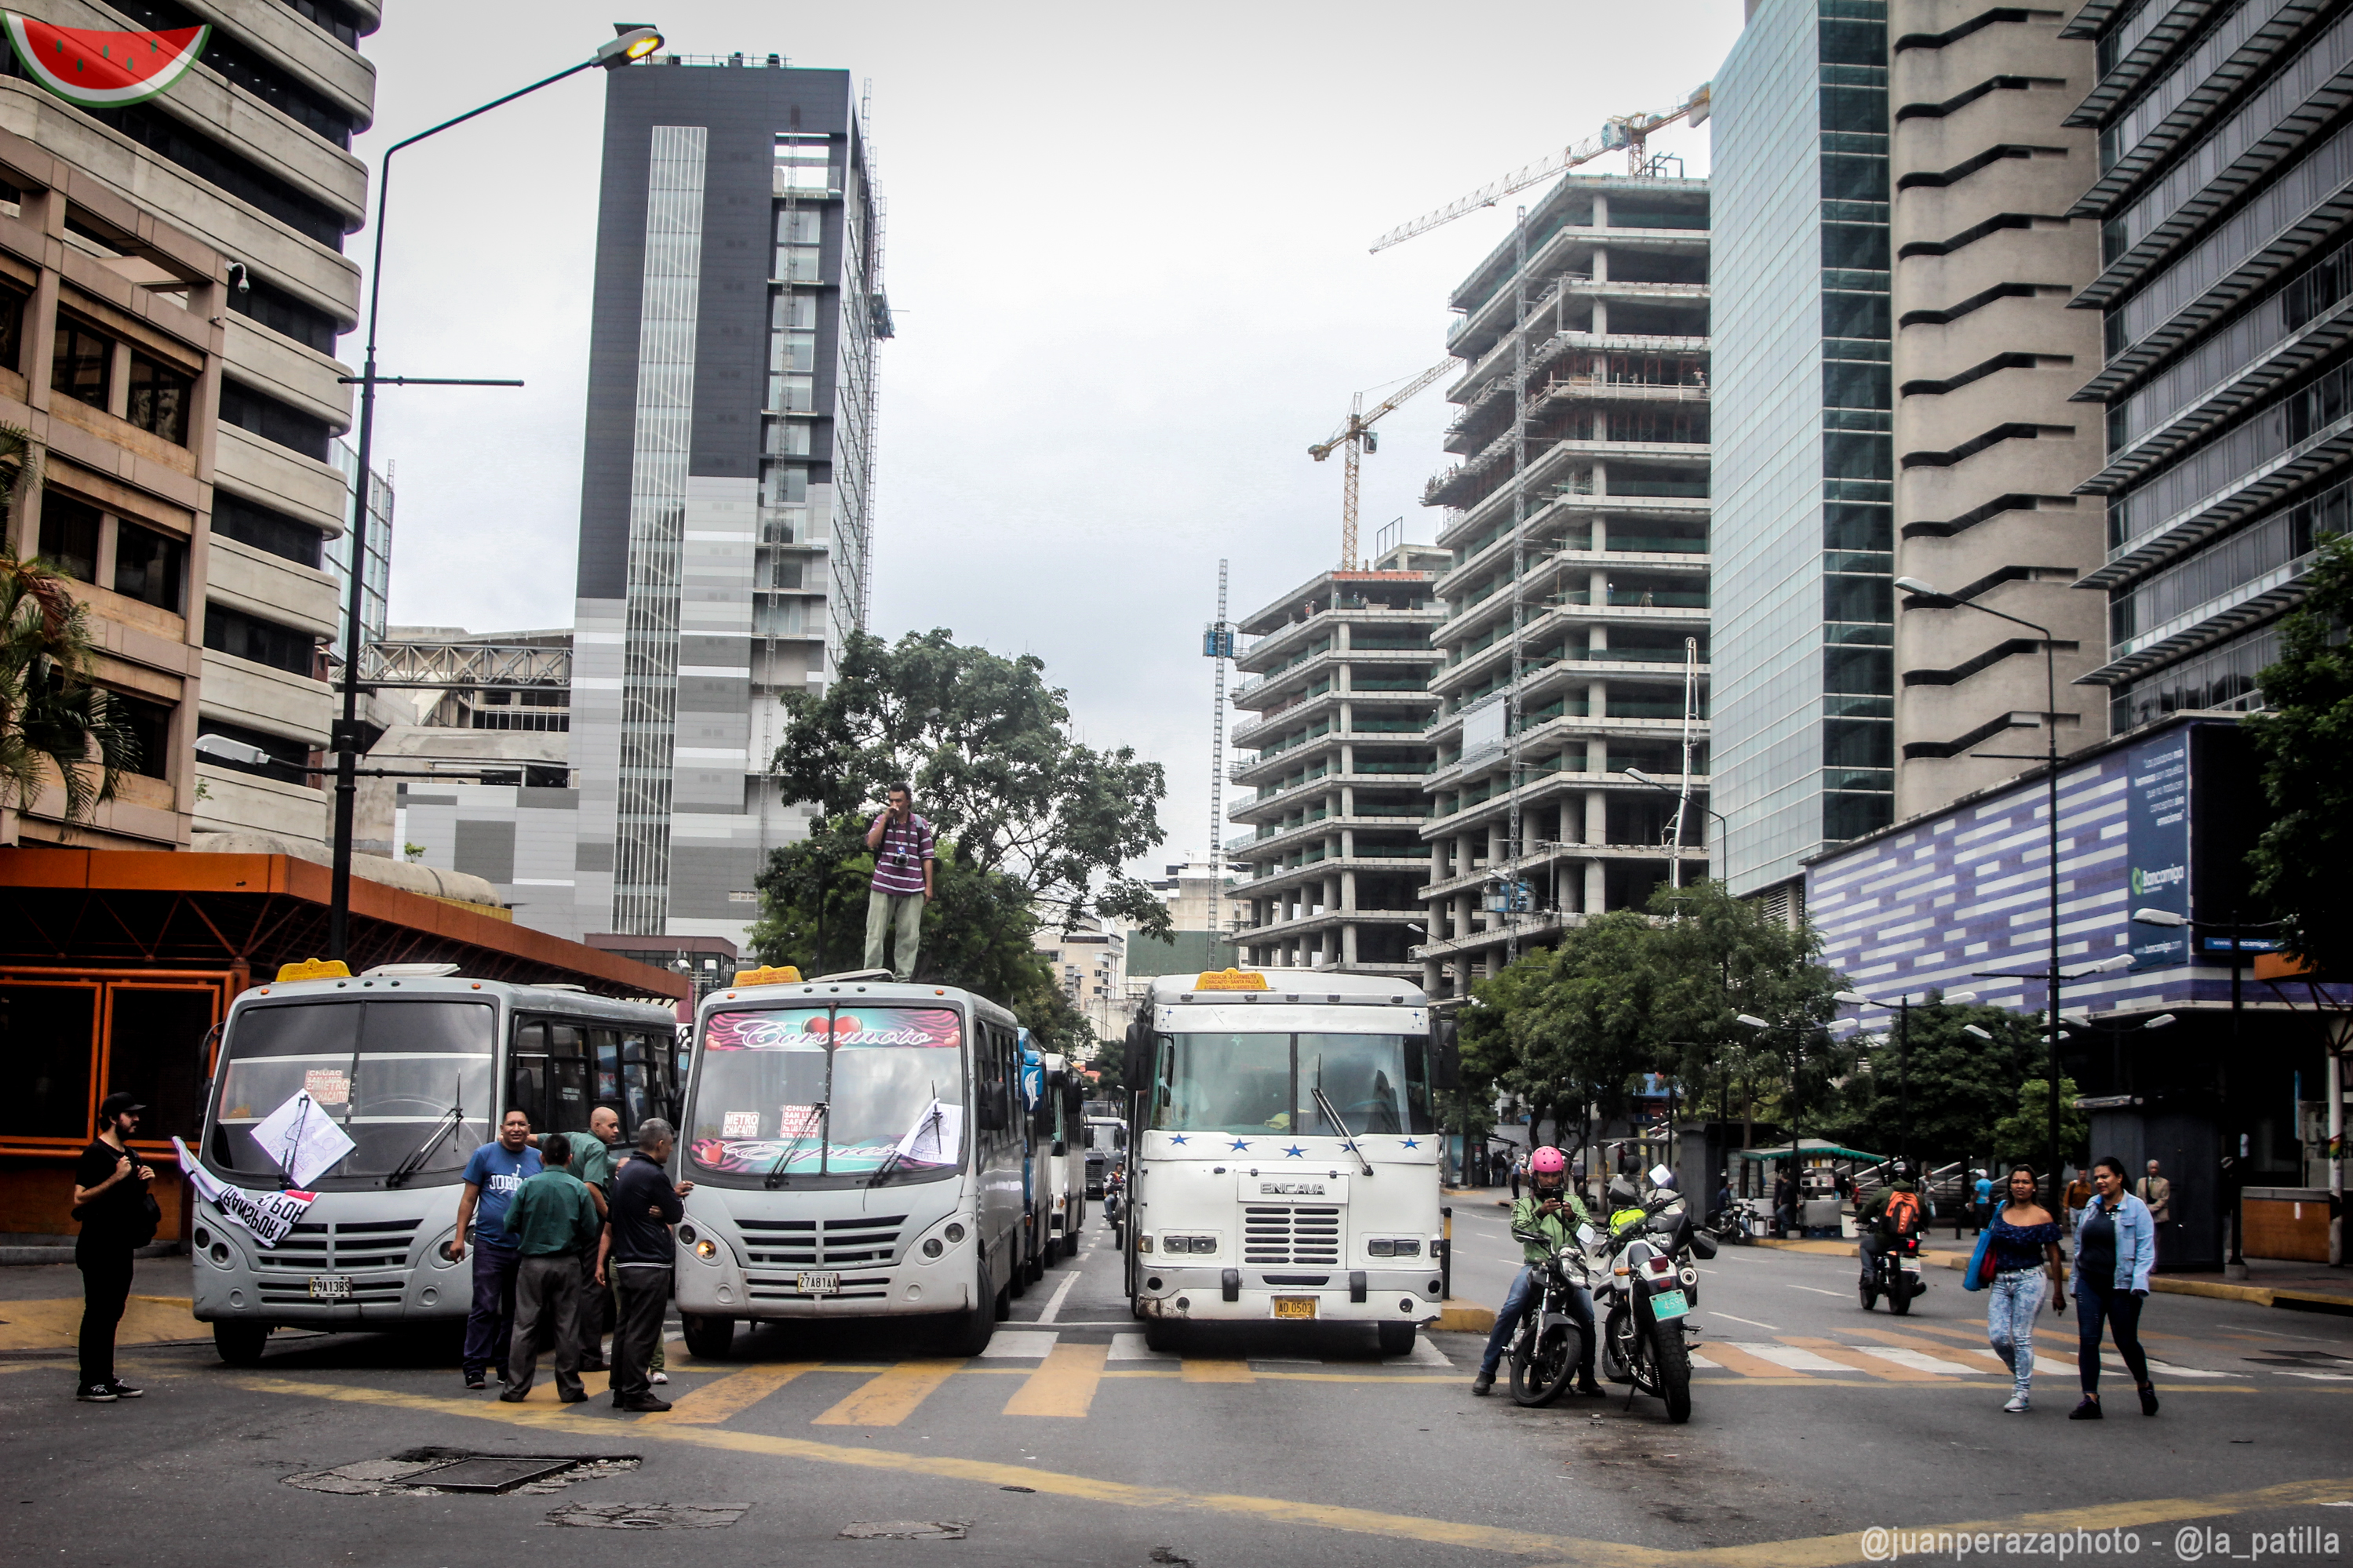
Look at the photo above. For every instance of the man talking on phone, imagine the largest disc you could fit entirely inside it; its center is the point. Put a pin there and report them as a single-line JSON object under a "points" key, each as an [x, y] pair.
{"points": [[902, 843]]}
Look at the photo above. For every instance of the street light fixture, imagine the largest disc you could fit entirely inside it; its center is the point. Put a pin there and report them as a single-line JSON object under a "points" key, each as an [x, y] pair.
{"points": [[1796, 1144], [1902, 1007], [630, 43], [1981, 1033], [1932, 597]]}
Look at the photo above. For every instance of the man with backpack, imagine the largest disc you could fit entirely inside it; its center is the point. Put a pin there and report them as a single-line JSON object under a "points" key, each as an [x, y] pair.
{"points": [[1895, 1211]]}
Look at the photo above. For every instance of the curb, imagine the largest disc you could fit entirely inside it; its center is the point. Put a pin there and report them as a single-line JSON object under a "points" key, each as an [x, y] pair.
{"points": [[1457, 1316], [2253, 1295]]}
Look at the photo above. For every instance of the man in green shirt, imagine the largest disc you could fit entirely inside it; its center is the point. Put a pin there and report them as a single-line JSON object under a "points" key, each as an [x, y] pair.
{"points": [[595, 1156], [1550, 1211], [554, 1221]]}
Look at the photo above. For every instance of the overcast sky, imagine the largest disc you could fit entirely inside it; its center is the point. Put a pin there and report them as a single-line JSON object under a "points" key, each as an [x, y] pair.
{"points": [[1127, 259]]}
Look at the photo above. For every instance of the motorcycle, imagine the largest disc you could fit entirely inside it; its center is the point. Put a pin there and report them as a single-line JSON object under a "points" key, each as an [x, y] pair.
{"points": [[1738, 1225], [1114, 1200], [1549, 1345], [1894, 1274], [1645, 1298]]}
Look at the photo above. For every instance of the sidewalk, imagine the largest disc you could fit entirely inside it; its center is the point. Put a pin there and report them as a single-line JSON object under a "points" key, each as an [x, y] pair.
{"points": [[40, 1308]]}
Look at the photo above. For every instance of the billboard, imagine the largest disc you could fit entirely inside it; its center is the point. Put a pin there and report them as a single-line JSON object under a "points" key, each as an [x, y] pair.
{"points": [[2157, 839]]}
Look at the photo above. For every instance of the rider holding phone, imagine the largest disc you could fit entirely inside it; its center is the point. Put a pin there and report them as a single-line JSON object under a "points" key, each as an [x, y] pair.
{"points": [[1551, 1211]]}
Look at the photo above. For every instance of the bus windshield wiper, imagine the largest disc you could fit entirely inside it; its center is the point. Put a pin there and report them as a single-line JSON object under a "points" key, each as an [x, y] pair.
{"points": [[1346, 1137], [451, 1119], [825, 1125], [931, 1114]]}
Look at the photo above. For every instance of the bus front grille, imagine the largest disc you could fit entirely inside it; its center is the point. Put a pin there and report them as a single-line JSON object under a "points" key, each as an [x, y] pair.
{"points": [[1273, 1233], [868, 1240], [790, 1243]]}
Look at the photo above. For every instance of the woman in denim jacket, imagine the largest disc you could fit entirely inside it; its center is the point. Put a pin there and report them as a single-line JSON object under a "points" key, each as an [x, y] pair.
{"points": [[2115, 1244]]}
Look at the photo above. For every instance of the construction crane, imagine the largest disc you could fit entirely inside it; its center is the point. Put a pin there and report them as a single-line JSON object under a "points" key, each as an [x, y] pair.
{"points": [[1621, 131], [1358, 437]]}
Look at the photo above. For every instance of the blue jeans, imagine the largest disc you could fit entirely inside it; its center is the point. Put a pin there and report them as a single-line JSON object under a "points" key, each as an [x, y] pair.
{"points": [[489, 1324], [1526, 1292], [2011, 1302]]}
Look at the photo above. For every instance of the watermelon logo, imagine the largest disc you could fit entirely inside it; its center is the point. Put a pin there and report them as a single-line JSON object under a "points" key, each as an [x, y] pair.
{"points": [[103, 70]]}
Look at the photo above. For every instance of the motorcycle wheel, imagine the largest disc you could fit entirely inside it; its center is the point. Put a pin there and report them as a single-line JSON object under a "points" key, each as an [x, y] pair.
{"points": [[1869, 1296], [1543, 1364], [1899, 1300], [1671, 1366], [1617, 1342]]}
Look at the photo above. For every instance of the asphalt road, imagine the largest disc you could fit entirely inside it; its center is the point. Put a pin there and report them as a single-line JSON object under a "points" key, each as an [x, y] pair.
{"points": [[1071, 1444]]}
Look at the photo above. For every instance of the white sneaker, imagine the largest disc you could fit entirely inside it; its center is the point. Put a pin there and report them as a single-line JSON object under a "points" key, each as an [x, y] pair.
{"points": [[657, 1377], [2016, 1406]]}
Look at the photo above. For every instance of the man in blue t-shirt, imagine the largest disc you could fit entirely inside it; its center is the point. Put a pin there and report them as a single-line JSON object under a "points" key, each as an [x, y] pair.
{"points": [[491, 1177], [1982, 1191]]}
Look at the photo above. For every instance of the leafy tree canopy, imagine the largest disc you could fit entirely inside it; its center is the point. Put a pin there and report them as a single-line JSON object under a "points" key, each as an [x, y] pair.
{"points": [[2024, 1135], [1958, 1086], [981, 739], [2304, 741]]}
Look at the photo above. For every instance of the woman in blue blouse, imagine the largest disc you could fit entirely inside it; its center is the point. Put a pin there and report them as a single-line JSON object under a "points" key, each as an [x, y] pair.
{"points": [[2115, 1244], [2025, 1248]]}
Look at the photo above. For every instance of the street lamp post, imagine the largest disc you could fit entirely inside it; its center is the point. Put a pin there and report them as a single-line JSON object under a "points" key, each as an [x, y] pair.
{"points": [[628, 45], [1639, 777], [1930, 597], [1903, 1009], [1796, 1065]]}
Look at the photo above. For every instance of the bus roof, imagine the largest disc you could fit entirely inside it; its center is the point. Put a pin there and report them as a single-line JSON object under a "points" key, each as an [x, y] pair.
{"points": [[1295, 985], [870, 991], [552, 998]]}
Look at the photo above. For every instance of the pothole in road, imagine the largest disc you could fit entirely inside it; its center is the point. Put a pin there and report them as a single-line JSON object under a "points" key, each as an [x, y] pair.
{"points": [[459, 1472], [904, 1530], [644, 1516]]}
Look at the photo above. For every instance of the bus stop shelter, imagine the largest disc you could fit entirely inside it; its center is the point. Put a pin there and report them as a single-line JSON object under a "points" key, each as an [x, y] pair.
{"points": [[115, 965]]}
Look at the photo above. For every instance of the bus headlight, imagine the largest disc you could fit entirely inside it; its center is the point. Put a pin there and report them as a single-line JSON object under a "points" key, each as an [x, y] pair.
{"points": [[220, 1253], [686, 1234], [954, 1233], [706, 1249], [204, 1239], [932, 1247], [1380, 1246]]}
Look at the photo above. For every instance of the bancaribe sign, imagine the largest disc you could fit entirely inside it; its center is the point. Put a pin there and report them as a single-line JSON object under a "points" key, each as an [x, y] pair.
{"points": [[103, 70]]}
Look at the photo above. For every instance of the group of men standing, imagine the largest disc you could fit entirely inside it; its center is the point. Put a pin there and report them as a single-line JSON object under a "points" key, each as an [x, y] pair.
{"points": [[571, 1236]]}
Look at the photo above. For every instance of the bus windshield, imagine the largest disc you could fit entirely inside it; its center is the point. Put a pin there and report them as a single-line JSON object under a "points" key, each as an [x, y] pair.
{"points": [[870, 1093], [389, 1073], [1267, 1083]]}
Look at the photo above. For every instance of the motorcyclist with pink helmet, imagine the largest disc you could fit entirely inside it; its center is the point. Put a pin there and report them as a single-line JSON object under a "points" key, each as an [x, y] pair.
{"points": [[1552, 1211]]}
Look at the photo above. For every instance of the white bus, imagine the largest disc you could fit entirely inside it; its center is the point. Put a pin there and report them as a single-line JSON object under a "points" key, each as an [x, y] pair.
{"points": [[1057, 1163], [856, 1147], [414, 1064], [1283, 1165]]}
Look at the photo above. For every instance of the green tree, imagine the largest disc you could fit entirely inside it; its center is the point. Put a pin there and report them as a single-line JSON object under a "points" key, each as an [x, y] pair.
{"points": [[2304, 741], [2024, 1135], [1959, 1087], [981, 739], [53, 716]]}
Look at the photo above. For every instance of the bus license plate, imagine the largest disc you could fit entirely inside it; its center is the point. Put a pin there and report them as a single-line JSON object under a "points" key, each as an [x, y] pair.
{"points": [[820, 1284], [1668, 1304], [331, 1287], [1295, 1306]]}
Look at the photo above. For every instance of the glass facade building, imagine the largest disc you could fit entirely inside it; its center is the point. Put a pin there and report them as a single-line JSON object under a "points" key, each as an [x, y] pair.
{"points": [[1804, 726]]}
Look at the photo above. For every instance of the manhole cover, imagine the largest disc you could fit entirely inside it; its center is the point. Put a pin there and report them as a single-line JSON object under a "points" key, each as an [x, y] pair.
{"points": [[644, 1516], [904, 1530], [486, 1473]]}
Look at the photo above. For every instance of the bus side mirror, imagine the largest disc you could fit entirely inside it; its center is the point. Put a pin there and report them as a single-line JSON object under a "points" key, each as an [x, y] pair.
{"points": [[1446, 1071]]}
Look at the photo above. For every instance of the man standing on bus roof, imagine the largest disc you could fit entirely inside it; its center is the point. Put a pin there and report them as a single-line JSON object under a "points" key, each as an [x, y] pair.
{"points": [[904, 857], [493, 1177]]}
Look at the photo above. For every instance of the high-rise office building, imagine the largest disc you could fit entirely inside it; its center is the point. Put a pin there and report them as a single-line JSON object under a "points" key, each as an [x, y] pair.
{"points": [[172, 283], [1573, 612], [1339, 696], [726, 512], [1988, 159], [2225, 206], [1804, 671]]}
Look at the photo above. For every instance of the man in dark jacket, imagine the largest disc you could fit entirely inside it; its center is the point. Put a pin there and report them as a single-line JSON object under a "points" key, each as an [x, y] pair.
{"points": [[110, 1198], [554, 1226], [636, 1254]]}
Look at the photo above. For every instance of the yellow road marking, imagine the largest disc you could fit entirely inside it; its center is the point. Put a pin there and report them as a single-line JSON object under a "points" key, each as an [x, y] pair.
{"points": [[1064, 1383], [730, 1395], [891, 1396], [1211, 1369], [55, 1322], [1862, 1361], [1817, 1551], [1742, 1362]]}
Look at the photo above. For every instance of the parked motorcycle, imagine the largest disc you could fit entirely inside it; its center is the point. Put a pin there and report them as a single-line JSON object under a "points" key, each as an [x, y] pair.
{"points": [[1115, 1201], [1645, 1298], [1549, 1345], [1896, 1275], [1738, 1225]]}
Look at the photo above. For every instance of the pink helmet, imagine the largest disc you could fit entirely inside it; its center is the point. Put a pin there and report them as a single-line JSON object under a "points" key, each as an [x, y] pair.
{"points": [[1547, 1162]]}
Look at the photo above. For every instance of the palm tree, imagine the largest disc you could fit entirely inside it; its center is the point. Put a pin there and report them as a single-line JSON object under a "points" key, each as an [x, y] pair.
{"points": [[51, 714]]}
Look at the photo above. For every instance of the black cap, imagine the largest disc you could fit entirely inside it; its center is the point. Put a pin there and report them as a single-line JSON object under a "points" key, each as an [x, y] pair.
{"points": [[120, 1103]]}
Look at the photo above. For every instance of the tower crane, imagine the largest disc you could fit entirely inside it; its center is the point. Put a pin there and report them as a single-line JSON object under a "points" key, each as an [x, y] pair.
{"points": [[1620, 130], [1357, 436]]}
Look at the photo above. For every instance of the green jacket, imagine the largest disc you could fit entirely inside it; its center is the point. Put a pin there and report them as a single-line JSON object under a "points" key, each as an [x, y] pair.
{"points": [[552, 1214], [592, 1159], [1555, 1229]]}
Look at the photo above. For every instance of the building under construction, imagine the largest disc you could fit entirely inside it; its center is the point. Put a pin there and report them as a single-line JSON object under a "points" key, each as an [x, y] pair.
{"points": [[1577, 526], [1340, 671]]}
